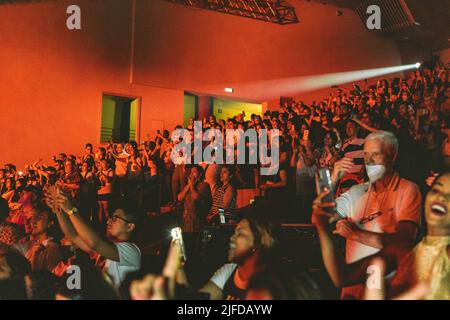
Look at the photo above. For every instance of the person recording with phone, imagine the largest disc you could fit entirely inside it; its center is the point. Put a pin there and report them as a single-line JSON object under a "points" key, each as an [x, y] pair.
{"points": [[121, 254], [374, 214]]}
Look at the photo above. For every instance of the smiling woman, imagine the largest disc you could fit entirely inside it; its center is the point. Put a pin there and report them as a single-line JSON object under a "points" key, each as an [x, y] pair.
{"points": [[437, 207], [251, 245], [430, 259]]}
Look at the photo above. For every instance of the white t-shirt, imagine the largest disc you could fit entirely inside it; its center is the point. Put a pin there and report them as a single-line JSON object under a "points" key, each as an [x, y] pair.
{"points": [[222, 275], [378, 212], [129, 261]]}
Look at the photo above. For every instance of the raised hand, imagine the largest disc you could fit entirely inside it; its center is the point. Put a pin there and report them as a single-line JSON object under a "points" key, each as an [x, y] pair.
{"points": [[50, 198], [159, 287], [346, 229], [63, 201], [340, 168], [321, 216]]}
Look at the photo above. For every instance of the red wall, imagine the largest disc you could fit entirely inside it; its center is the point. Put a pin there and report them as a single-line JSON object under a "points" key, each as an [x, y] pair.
{"points": [[52, 78], [178, 46]]}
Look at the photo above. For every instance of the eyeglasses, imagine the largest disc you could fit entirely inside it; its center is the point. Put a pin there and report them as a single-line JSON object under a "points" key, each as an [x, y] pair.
{"points": [[114, 219]]}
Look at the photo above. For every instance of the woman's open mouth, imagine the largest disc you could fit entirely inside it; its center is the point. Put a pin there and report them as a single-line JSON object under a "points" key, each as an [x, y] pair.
{"points": [[438, 209]]}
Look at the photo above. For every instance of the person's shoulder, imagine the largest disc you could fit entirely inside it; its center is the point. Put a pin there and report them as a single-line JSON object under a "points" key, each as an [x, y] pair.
{"points": [[130, 246], [359, 188], [405, 184], [228, 267], [353, 194]]}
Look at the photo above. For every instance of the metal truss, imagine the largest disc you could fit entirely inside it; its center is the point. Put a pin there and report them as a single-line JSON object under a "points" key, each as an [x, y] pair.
{"points": [[274, 11]]}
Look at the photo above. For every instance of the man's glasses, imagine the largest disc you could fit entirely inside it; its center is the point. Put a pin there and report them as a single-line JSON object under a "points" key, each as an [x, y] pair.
{"points": [[114, 219]]}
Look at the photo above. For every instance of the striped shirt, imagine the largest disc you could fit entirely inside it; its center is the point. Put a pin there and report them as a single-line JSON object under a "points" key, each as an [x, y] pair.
{"points": [[218, 200], [354, 149]]}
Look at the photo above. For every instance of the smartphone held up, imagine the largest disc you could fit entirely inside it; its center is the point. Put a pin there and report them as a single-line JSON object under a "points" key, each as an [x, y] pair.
{"points": [[323, 182], [177, 237]]}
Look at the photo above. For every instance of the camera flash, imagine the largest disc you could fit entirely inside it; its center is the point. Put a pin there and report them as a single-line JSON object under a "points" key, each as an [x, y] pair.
{"points": [[176, 233]]}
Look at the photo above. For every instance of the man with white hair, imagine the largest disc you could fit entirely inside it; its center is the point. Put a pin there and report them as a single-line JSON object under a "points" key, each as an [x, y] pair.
{"points": [[383, 210]]}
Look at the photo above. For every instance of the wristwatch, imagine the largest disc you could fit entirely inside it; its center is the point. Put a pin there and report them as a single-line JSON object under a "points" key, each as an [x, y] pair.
{"points": [[72, 211]]}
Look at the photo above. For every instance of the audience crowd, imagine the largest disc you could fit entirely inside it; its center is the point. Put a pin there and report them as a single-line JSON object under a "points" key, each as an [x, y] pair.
{"points": [[386, 145]]}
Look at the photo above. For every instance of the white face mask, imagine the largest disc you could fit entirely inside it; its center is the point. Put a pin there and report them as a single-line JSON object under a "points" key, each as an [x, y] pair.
{"points": [[375, 172]]}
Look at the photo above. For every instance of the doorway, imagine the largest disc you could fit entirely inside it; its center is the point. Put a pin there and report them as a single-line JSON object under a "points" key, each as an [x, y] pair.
{"points": [[119, 118]]}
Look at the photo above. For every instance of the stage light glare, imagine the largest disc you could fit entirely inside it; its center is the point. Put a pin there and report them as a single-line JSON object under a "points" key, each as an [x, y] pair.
{"points": [[270, 89]]}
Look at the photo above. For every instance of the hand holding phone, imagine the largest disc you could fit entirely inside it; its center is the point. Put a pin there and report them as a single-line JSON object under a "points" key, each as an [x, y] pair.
{"points": [[177, 237], [323, 182]]}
